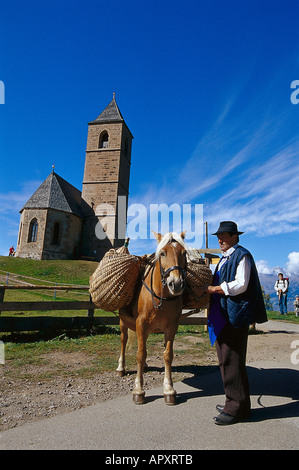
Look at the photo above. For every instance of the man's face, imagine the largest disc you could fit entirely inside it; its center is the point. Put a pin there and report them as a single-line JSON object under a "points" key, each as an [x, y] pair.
{"points": [[280, 276], [226, 241]]}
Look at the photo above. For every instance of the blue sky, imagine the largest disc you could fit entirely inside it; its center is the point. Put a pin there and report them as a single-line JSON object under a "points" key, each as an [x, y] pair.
{"points": [[204, 87]]}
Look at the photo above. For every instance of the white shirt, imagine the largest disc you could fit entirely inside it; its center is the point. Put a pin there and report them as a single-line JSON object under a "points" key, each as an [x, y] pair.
{"points": [[280, 285], [240, 283]]}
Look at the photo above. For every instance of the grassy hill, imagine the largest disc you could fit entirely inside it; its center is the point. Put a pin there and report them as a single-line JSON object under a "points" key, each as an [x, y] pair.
{"points": [[64, 271], [46, 272]]}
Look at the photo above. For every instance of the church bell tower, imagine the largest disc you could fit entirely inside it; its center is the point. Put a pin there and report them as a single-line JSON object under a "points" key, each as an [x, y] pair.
{"points": [[105, 183]]}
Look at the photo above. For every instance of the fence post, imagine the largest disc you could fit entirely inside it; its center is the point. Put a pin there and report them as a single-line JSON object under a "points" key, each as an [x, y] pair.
{"points": [[90, 311], [2, 292]]}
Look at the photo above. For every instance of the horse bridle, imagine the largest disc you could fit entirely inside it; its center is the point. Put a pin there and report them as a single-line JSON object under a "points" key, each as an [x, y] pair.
{"points": [[164, 275]]}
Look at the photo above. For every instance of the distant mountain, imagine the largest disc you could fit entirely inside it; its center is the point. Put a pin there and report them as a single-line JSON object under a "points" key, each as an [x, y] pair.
{"points": [[268, 281]]}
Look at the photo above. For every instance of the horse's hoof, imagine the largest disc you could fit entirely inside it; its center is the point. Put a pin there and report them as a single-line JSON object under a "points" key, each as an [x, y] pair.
{"points": [[120, 373], [138, 399], [170, 399]]}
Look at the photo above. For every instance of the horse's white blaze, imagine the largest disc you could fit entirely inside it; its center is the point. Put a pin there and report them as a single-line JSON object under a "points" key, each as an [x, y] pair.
{"points": [[167, 239]]}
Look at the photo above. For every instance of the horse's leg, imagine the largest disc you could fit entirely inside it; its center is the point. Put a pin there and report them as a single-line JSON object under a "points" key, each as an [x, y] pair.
{"points": [[169, 392], [138, 392], [123, 338]]}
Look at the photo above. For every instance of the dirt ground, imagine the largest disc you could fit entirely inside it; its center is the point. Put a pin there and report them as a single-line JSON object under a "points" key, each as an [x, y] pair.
{"points": [[22, 400]]}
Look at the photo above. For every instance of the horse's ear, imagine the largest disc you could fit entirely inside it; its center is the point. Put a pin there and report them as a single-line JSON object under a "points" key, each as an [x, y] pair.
{"points": [[158, 236], [183, 234]]}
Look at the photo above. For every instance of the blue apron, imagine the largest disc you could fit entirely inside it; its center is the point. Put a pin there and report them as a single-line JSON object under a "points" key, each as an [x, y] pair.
{"points": [[216, 320]]}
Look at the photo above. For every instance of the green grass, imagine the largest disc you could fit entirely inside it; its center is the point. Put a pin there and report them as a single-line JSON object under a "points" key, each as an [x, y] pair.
{"points": [[101, 352], [28, 355], [61, 272], [26, 296], [290, 317], [101, 344], [64, 271]]}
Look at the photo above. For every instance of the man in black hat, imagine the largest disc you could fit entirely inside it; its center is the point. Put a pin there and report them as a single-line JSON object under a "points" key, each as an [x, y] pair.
{"points": [[236, 302]]}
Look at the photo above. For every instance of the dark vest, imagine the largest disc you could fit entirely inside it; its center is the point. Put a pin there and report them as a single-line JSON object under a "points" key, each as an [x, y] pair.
{"points": [[248, 307]]}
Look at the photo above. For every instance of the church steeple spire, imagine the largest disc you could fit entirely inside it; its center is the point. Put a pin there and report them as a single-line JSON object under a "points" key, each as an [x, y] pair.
{"points": [[110, 114]]}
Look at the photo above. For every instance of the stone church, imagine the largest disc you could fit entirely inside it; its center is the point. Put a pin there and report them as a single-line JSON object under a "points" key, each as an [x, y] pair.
{"points": [[59, 221]]}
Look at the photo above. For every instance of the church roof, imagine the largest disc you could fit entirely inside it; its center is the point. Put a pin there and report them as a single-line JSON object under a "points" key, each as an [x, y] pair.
{"points": [[56, 193], [110, 114]]}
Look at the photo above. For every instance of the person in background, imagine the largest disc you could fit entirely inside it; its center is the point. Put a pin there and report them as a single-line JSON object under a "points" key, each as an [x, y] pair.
{"points": [[281, 287], [296, 306], [11, 251]]}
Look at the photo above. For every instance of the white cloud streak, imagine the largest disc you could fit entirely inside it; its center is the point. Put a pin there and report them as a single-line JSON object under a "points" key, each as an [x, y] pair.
{"points": [[10, 205], [13, 201], [244, 170], [265, 199], [263, 267], [293, 262]]}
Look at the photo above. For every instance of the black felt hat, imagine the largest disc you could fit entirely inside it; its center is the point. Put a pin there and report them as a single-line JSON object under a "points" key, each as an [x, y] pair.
{"points": [[228, 226]]}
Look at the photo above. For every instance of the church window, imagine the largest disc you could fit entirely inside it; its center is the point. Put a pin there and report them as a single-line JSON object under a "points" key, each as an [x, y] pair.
{"points": [[56, 233], [103, 142], [33, 228]]}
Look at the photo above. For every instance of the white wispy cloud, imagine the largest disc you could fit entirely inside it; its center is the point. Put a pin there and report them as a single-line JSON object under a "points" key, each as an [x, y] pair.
{"points": [[245, 168], [263, 198], [291, 266], [13, 201], [293, 262], [263, 267], [266, 198], [10, 205]]}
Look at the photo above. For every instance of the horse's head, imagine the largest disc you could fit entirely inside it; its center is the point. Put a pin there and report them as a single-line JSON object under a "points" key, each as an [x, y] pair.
{"points": [[171, 252]]}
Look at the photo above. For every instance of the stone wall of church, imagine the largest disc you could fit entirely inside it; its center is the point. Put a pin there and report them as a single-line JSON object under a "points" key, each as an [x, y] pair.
{"points": [[25, 247], [62, 242], [62, 236], [92, 247]]}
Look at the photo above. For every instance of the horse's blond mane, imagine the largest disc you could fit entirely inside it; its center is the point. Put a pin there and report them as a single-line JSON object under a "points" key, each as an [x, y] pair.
{"points": [[168, 237]]}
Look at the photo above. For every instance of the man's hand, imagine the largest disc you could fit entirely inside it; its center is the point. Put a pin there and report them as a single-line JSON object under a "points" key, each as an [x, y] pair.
{"points": [[213, 289]]}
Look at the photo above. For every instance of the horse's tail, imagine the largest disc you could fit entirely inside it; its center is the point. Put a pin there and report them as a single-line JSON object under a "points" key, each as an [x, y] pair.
{"points": [[131, 339]]}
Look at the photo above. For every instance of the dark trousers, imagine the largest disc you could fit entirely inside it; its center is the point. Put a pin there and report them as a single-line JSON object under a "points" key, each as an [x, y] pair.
{"points": [[231, 347]]}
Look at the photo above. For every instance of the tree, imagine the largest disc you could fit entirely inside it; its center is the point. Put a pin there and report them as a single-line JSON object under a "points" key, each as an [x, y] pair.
{"points": [[267, 301]]}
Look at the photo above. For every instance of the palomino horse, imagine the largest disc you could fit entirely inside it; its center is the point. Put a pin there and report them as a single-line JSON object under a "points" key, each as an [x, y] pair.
{"points": [[156, 307]]}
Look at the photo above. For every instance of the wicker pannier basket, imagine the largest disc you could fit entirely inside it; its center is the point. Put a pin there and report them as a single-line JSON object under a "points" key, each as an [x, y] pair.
{"points": [[197, 275], [112, 285]]}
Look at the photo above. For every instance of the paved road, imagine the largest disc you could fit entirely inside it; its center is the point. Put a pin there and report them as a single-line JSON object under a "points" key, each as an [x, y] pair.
{"points": [[282, 326], [120, 425]]}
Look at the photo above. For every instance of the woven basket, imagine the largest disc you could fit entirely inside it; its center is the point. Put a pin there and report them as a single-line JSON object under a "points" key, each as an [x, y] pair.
{"points": [[197, 275], [112, 285]]}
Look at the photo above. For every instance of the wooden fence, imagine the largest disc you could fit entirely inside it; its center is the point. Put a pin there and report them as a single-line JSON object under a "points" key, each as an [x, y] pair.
{"points": [[32, 323]]}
